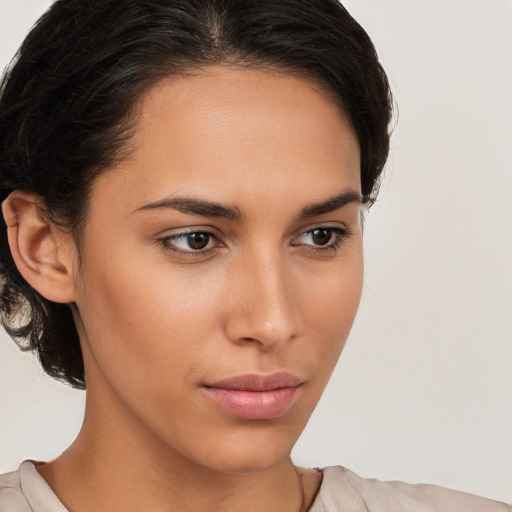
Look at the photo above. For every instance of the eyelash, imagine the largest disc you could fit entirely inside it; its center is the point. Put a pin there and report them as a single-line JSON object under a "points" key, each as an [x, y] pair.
{"points": [[166, 243], [341, 235]]}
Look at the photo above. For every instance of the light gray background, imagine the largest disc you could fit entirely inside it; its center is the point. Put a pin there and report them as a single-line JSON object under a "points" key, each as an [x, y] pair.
{"points": [[424, 389]]}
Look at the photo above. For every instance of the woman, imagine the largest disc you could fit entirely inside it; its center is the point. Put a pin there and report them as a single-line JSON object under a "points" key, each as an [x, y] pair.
{"points": [[182, 187]]}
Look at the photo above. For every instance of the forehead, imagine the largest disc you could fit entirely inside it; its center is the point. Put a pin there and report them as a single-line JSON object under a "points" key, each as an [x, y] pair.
{"points": [[231, 133]]}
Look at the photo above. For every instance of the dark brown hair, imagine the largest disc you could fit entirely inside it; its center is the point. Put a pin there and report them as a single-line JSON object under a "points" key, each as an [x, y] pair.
{"points": [[67, 109]]}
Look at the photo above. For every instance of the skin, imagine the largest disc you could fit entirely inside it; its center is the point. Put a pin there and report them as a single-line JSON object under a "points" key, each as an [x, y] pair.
{"points": [[156, 325]]}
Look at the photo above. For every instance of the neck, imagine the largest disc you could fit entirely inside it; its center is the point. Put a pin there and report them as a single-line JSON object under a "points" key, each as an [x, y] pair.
{"points": [[117, 465]]}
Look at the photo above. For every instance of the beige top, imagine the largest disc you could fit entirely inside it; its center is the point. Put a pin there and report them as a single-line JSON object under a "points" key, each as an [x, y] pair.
{"points": [[341, 491]]}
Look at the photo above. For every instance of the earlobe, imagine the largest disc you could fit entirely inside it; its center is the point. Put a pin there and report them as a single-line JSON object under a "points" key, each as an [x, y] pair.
{"points": [[42, 251]]}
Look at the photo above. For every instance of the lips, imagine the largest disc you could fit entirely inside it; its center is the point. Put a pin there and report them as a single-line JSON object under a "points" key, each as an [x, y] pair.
{"points": [[254, 397]]}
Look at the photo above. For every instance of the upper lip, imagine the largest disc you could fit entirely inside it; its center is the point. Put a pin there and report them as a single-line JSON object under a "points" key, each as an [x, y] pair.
{"points": [[257, 382]]}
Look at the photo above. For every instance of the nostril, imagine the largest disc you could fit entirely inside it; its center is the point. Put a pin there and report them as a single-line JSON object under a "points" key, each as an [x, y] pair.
{"points": [[247, 330]]}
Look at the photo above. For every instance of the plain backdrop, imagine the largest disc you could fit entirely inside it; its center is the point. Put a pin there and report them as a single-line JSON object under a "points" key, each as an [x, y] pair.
{"points": [[423, 391]]}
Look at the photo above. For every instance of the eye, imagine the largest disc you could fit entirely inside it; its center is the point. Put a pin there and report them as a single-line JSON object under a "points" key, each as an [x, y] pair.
{"points": [[191, 242], [322, 238]]}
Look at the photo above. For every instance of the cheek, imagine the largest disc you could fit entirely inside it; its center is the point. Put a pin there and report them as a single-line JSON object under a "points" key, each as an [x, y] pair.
{"points": [[328, 305], [148, 329], [148, 312], [331, 298]]}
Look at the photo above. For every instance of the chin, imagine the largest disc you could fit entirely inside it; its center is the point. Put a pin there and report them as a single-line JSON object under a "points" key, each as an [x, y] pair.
{"points": [[249, 452], [245, 463]]}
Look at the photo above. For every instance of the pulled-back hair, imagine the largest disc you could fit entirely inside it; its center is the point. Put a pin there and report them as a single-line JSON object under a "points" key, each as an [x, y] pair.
{"points": [[68, 109]]}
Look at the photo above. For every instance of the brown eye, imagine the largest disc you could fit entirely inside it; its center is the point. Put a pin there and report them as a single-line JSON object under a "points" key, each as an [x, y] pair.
{"points": [[198, 241], [321, 236], [191, 242]]}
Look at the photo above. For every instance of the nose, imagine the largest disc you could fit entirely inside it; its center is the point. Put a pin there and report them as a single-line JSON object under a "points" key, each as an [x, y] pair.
{"points": [[262, 311]]}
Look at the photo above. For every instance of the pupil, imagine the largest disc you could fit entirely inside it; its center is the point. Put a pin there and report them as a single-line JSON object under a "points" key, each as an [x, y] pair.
{"points": [[198, 240], [321, 236]]}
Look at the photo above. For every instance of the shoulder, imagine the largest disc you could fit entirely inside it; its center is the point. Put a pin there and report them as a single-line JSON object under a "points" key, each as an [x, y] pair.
{"points": [[343, 489], [26, 491], [12, 498]]}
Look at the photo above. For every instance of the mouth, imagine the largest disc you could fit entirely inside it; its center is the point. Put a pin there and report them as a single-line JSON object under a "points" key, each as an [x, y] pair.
{"points": [[255, 397]]}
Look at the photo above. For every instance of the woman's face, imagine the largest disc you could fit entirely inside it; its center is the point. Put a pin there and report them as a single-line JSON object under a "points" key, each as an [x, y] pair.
{"points": [[221, 268]]}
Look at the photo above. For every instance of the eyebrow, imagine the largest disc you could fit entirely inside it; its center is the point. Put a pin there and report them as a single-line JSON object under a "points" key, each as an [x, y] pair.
{"points": [[206, 208], [196, 207], [332, 204]]}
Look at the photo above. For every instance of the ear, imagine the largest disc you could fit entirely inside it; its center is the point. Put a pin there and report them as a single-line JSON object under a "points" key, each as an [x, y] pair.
{"points": [[43, 252]]}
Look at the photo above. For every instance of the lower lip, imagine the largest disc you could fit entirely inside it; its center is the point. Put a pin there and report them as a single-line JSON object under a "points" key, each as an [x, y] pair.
{"points": [[253, 405]]}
